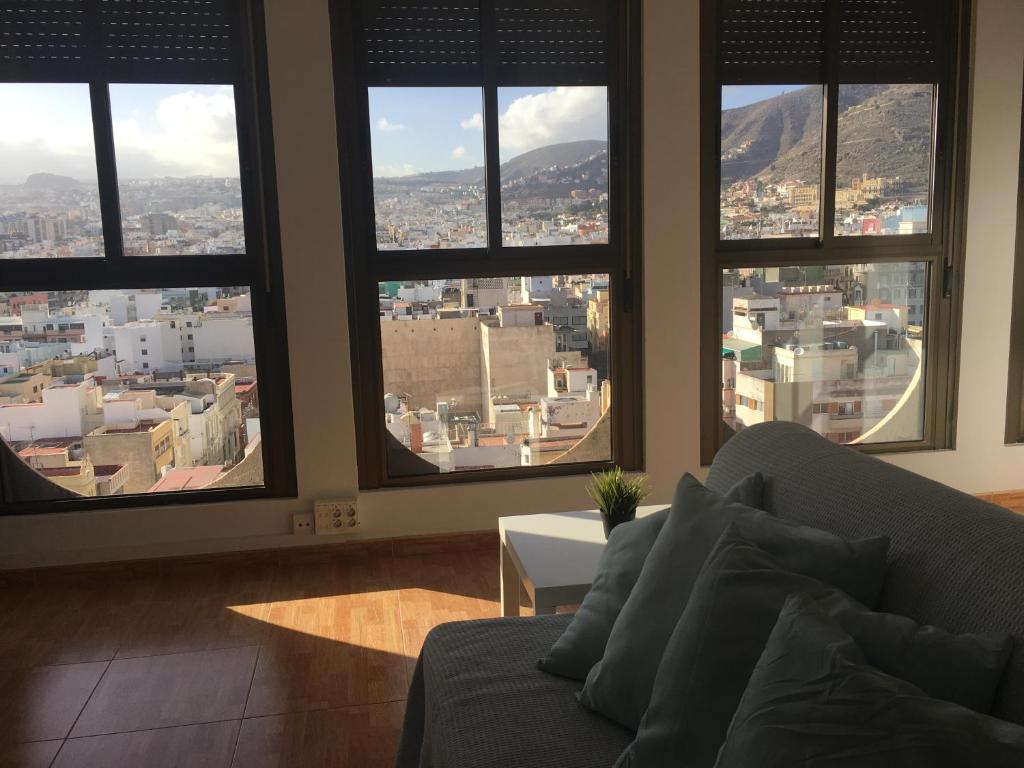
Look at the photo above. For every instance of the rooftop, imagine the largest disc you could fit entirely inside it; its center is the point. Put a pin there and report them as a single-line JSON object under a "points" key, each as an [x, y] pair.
{"points": [[183, 479], [60, 471], [107, 470]]}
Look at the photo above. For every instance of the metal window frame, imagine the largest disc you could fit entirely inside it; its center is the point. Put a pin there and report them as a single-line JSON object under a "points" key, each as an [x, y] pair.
{"points": [[942, 249], [260, 268], [620, 258], [1015, 384]]}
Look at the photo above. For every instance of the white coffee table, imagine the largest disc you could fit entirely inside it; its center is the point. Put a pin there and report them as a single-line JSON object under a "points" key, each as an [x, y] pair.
{"points": [[553, 556]]}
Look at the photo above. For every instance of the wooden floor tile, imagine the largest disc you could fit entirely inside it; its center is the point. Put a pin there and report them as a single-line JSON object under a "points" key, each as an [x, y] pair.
{"points": [[67, 621], [336, 641], [163, 691], [366, 737], [36, 754], [201, 606], [42, 703], [438, 588], [209, 745]]}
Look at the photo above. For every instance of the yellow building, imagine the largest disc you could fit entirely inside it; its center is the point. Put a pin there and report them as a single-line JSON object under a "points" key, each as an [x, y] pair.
{"points": [[26, 386], [147, 448], [804, 195]]}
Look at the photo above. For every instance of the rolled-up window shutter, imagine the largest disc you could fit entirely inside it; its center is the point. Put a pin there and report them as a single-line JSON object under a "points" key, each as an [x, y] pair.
{"points": [[565, 43], [148, 41], [169, 40], [421, 43], [43, 38], [773, 42], [892, 41]]}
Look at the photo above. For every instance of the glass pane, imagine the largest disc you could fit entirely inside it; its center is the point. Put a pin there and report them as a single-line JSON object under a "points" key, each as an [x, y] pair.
{"points": [[493, 373], [428, 168], [771, 161], [127, 392], [177, 169], [883, 172], [839, 349], [554, 165], [49, 196]]}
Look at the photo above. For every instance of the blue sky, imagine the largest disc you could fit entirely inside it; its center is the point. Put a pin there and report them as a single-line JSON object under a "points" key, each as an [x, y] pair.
{"points": [[159, 130], [734, 96], [415, 130]]}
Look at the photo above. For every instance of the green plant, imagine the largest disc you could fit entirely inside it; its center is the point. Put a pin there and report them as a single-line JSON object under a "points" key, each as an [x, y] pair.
{"points": [[617, 494]]}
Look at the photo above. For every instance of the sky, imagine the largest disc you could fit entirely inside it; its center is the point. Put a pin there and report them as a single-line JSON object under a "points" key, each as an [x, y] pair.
{"points": [[734, 96], [417, 130], [159, 130]]}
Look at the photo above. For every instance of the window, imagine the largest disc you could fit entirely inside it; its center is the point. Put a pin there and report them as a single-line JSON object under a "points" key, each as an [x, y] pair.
{"points": [[1015, 389], [833, 155], [138, 130], [494, 288]]}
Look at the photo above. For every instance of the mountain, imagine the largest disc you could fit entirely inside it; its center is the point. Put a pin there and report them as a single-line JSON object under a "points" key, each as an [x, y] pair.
{"points": [[565, 155], [51, 181], [884, 130]]}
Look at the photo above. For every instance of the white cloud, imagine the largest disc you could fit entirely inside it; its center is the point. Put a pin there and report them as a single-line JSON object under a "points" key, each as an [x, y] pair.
{"points": [[388, 127], [568, 113], [192, 133], [474, 123], [188, 133], [459, 152], [391, 171]]}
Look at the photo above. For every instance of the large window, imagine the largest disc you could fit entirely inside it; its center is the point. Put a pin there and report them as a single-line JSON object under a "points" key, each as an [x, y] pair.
{"points": [[833, 152], [138, 130], [1015, 388], [491, 241]]}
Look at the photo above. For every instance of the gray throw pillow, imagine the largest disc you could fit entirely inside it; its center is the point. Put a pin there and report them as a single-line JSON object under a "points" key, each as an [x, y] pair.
{"points": [[619, 686], [582, 644], [707, 662], [813, 693], [964, 669]]}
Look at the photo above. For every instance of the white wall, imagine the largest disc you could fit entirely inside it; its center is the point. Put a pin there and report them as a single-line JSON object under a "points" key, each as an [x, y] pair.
{"points": [[304, 127], [220, 339]]}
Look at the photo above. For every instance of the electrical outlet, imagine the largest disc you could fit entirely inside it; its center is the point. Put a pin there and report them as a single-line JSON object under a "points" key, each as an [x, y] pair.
{"points": [[302, 524], [333, 517]]}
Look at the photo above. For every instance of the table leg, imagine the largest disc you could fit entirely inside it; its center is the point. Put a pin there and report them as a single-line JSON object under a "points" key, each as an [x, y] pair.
{"points": [[510, 584]]}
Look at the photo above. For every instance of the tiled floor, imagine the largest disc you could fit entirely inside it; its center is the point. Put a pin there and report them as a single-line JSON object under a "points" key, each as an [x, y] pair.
{"points": [[286, 660]]}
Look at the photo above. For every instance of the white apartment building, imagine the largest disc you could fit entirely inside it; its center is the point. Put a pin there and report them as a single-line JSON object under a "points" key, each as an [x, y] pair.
{"points": [[66, 410], [143, 347], [220, 339], [132, 307]]}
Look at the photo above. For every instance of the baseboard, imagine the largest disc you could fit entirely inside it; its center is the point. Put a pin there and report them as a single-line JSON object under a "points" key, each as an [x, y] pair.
{"points": [[399, 547]]}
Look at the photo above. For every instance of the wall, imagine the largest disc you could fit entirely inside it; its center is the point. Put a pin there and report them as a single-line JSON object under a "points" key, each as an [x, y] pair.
{"points": [[317, 309], [433, 361]]}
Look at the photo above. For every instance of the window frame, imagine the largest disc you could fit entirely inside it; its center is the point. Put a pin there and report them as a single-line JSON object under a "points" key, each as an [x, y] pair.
{"points": [[260, 267], [366, 266], [942, 248], [1015, 383]]}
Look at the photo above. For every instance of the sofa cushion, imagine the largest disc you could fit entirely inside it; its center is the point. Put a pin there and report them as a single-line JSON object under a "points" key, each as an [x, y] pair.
{"points": [[718, 639], [955, 561], [582, 644], [619, 686], [964, 669], [813, 693]]}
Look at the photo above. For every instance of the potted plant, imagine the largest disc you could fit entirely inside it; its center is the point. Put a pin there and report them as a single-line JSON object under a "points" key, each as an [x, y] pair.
{"points": [[617, 495]]}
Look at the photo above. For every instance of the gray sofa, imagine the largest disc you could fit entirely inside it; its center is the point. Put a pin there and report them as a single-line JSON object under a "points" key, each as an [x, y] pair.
{"points": [[478, 699]]}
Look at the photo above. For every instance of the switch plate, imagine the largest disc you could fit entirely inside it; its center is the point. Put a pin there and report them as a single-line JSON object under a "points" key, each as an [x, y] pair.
{"points": [[335, 517], [302, 524]]}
